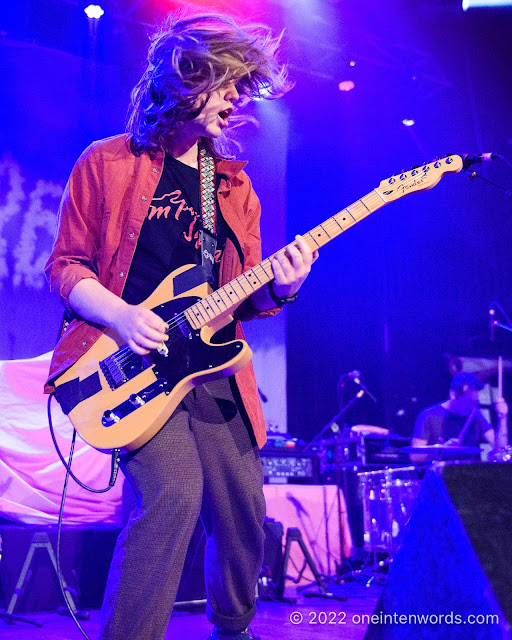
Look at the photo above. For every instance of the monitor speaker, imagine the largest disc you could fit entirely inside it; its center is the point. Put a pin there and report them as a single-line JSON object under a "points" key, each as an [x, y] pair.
{"points": [[452, 577]]}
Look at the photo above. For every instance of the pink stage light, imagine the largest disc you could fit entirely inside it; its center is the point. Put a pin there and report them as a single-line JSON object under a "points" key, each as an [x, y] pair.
{"points": [[346, 85]]}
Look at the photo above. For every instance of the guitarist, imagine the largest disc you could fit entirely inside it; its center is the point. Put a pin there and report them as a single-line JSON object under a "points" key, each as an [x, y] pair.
{"points": [[130, 215]]}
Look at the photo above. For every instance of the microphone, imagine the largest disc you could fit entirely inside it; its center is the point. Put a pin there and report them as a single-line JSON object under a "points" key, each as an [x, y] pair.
{"points": [[468, 160], [356, 377], [492, 323]]}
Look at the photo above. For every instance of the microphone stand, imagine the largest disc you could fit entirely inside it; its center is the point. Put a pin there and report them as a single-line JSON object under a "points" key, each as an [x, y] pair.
{"points": [[502, 451], [472, 175], [499, 324], [333, 421], [334, 427]]}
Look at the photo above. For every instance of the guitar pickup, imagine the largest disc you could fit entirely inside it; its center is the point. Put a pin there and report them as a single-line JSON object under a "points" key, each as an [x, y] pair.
{"points": [[134, 402]]}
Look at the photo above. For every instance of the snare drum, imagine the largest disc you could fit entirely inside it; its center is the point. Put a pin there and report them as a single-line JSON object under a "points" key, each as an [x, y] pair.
{"points": [[389, 497]]}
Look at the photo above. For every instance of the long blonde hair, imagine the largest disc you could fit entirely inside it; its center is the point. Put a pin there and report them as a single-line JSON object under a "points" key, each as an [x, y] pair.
{"points": [[197, 55]]}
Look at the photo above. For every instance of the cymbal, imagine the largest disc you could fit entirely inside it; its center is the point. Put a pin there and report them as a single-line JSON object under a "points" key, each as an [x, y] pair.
{"points": [[441, 448], [369, 428]]}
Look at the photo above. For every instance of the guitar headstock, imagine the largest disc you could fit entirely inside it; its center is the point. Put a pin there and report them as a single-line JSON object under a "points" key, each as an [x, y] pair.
{"points": [[419, 178]]}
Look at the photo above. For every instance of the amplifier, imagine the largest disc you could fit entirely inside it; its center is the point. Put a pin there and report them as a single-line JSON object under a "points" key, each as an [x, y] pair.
{"points": [[289, 465]]}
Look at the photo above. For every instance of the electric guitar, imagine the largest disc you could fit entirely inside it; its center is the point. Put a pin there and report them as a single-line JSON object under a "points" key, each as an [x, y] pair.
{"points": [[117, 399]]}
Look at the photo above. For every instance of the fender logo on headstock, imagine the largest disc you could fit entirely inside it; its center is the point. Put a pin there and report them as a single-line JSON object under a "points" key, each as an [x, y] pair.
{"points": [[403, 188]]}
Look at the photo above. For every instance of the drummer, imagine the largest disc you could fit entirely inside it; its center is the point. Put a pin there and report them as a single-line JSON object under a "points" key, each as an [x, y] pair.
{"points": [[458, 421]]}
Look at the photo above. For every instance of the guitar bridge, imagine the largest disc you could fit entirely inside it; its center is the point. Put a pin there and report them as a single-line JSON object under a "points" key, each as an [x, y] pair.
{"points": [[134, 402], [121, 366]]}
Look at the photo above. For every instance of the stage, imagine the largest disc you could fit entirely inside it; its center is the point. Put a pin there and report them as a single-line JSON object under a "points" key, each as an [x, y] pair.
{"points": [[321, 619], [386, 99]]}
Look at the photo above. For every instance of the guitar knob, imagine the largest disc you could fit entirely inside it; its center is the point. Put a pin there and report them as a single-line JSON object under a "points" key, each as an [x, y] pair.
{"points": [[109, 418], [136, 400]]}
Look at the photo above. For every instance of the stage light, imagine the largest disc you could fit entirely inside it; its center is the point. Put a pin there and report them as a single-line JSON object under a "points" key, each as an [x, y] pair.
{"points": [[346, 85], [408, 122], [471, 4], [94, 11], [352, 63]]}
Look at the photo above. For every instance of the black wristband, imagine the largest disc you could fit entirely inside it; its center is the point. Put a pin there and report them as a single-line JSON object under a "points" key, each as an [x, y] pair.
{"points": [[280, 302]]}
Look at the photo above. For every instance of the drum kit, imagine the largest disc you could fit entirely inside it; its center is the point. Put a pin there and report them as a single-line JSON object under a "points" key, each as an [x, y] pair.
{"points": [[388, 483], [389, 495]]}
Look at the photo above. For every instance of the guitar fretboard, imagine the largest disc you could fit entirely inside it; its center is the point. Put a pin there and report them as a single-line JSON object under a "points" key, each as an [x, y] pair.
{"points": [[227, 298]]}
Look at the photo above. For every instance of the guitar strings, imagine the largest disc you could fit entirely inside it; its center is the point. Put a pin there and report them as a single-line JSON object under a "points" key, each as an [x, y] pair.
{"points": [[125, 353]]}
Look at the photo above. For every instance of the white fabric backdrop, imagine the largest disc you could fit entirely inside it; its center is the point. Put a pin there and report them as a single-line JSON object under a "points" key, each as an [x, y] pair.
{"points": [[31, 474]]}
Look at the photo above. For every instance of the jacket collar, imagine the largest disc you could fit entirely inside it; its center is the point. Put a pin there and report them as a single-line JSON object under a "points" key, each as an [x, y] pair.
{"points": [[229, 168], [224, 167]]}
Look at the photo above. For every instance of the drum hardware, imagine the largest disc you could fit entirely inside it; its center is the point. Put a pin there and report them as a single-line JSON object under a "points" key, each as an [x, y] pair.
{"points": [[438, 451], [389, 497], [504, 454]]}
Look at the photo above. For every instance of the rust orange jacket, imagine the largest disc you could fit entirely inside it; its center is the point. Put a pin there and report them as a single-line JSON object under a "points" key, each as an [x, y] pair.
{"points": [[101, 214]]}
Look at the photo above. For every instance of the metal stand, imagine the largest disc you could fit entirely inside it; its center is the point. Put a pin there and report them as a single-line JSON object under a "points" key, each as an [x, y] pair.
{"points": [[375, 569], [40, 540], [10, 618], [340, 465], [294, 534]]}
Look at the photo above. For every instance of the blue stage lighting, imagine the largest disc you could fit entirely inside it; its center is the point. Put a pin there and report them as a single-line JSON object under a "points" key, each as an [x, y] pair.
{"points": [[94, 11], [470, 4], [408, 122]]}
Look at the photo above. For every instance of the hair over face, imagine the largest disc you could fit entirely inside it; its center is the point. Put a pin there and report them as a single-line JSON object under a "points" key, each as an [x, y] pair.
{"points": [[197, 55]]}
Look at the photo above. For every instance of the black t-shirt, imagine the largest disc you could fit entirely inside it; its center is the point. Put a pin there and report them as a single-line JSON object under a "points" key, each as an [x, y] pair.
{"points": [[436, 425], [169, 237]]}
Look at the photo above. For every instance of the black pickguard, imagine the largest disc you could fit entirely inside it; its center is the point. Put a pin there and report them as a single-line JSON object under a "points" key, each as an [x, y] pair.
{"points": [[188, 354]]}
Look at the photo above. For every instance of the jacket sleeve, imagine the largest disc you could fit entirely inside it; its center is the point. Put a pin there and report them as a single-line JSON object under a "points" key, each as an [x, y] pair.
{"points": [[252, 255], [78, 234]]}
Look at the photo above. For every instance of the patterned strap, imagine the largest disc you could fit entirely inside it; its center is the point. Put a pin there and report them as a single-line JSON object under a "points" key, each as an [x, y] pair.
{"points": [[207, 184]]}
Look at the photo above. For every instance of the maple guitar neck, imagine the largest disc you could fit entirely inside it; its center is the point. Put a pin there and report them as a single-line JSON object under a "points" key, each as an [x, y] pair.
{"points": [[231, 295], [228, 297], [118, 400]]}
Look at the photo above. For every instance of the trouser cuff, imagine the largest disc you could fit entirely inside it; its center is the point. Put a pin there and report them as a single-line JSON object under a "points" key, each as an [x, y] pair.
{"points": [[228, 622]]}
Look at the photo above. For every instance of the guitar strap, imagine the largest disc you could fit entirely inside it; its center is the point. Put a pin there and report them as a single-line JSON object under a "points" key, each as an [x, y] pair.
{"points": [[208, 233], [71, 393]]}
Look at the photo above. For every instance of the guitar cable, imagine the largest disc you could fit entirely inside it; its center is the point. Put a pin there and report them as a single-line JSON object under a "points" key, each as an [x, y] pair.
{"points": [[113, 476]]}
